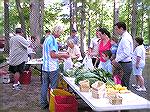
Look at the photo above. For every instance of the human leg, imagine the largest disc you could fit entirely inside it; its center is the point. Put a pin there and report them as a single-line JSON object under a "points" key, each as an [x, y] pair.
{"points": [[13, 71], [139, 78], [117, 79], [135, 73], [44, 89], [93, 61], [141, 82], [127, 70], [19, 69], [53, 79]]}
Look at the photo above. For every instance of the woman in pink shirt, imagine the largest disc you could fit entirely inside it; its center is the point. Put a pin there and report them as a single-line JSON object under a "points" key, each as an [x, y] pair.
{"points": [[105, 43]]}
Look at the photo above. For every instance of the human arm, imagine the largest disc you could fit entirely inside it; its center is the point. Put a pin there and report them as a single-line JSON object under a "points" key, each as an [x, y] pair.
{"points": [[24, 42], [109, 67], [77, 52], [89, 50], [53, 54], [138, 61]]}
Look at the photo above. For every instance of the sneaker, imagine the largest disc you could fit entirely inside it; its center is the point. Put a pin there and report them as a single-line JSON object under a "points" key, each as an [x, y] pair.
{"points": [[141, 89], [17, 87], [136, 86], [45, 107]]}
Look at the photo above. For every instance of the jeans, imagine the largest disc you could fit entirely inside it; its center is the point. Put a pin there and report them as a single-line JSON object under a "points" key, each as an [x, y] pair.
{"points": [[49, 80]]}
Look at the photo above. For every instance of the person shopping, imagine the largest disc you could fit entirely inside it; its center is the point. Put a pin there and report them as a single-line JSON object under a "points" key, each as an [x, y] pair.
{"points": [[50, 66]]}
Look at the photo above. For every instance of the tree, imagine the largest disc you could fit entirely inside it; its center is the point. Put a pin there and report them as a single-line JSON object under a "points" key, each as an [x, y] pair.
{"points": [[116, 14], [41, 17], [36, 19], [22, 20], [134, 19], [71, 15], [6, 24], [82, 32]]}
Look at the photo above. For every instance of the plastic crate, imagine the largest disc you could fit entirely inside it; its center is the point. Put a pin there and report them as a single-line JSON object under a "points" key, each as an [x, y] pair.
{"points": [[62, 84], [53, 94], [66, 104]]}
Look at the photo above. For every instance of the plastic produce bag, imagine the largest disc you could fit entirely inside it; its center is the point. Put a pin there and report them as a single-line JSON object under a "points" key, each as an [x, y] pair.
{"points": [[87, 62], [68, 64]]}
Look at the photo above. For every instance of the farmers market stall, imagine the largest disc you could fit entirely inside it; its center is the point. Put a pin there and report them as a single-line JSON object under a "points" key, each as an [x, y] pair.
{"points": [[129, 99]]}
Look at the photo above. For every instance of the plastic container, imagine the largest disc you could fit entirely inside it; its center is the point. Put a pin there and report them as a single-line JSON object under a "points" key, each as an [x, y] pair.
{"points": [[62, 84], [53, 94], [25, 78], [66, 104]]}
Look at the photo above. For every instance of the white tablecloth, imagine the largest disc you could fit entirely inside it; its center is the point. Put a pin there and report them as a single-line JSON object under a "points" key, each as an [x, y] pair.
{"points": [[35, 62], [130, 100]]}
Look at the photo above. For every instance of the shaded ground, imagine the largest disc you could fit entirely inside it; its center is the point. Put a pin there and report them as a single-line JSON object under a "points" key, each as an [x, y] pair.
{"points": [[27, 100]]}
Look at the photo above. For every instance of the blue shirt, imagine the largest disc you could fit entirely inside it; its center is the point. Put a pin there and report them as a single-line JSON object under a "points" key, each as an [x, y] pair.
{"points": [[114, 48], [107, 66], [50, 44]]}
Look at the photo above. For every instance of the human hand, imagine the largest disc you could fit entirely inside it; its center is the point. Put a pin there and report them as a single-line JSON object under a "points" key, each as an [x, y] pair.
{"points": [[137, 66], [66, 56], [113, 62]]}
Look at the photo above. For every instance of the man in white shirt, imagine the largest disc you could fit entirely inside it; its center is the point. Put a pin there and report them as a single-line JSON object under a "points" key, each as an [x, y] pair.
{"points": [[124, 52]]}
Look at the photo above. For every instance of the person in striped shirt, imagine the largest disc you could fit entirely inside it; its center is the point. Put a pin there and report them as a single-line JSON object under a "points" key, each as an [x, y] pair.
{"points": [[17, 56], [50, 64]]}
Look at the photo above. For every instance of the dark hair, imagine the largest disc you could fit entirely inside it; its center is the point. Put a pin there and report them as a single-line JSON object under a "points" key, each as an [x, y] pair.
{"points": [[73, 30], [18, 30], [121, 25], [97, 29], [33, 37], [47, 31], [139, 40], [104, 31], [108, 53]]}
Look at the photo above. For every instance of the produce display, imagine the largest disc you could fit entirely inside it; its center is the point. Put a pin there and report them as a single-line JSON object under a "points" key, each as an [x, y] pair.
{"points": [[79, 73], [98, 82]]}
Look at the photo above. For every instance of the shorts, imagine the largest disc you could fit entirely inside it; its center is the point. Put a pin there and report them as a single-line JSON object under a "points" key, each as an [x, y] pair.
{"points": [[137, 71], [17, 68]]}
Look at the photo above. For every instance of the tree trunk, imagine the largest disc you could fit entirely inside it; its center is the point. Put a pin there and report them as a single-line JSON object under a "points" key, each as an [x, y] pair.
{"points": [[134, 19], [75, 15], [116, 14], [36, 22], [142, 24], [6, 25], [41, 18], [21, 16], [128, 14], [82, 32], [71, 26], [34, 18], [102, 16], [89, 31], [148, 20]]}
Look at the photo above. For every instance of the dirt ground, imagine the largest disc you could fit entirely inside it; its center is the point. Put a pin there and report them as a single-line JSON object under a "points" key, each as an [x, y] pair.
{"points": [[27, 99]]}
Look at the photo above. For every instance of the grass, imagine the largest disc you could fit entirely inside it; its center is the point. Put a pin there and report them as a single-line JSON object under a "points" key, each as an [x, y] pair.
{"points": [[35, 72]]}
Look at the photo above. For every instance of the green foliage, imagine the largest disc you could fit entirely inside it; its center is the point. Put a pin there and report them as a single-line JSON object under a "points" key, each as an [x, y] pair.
{"points": [[2, 58], [99, 12], [51, 15]]}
